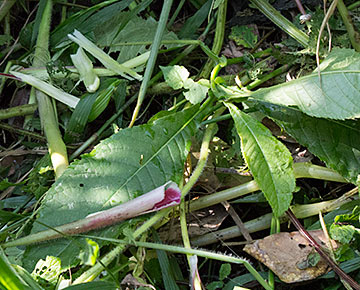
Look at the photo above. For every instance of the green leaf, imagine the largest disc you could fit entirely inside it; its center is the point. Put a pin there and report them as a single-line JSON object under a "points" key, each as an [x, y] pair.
{"points": [[137, 29], [194, 22], [8, 276], [215, 285], [103, 285], [86, 70], [122, 167], [269, 160], [336, 97], [90, 253], [225, 270], [342, 233], [175, 76], [48, 270], [337, 143], [88, 20], [243, 35], [196, 90]]}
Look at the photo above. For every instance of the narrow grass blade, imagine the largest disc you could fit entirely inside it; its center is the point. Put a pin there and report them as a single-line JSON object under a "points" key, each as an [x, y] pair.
{"points": [[104, 58], [48, 89]]}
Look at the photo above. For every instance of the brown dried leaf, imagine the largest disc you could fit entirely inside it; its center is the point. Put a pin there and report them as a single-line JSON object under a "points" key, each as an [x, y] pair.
{"points": [[283, 253]]}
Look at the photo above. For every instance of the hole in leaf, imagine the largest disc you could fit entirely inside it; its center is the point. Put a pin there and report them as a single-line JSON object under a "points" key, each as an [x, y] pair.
{"points": [[302, 246], [81, 185]]}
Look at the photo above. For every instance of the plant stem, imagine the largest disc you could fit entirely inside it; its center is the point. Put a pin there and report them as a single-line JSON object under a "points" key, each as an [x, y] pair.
{"points": [[23, 110], [318, 249], [354, 36], [276, 17], [218, 39], [94, 271], [263, 53], [264, 222], [5, 8], [152, 58], [301, 170], [268, 76], [22, 132], [57, 148]]}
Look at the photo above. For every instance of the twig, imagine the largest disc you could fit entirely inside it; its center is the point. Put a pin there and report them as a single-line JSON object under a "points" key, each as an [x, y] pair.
{"points": [[318, 249]]}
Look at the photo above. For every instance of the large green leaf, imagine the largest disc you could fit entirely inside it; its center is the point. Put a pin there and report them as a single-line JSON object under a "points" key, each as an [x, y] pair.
{"points": [[337, 143], [122, 167], [335, 96], [269, 160]]}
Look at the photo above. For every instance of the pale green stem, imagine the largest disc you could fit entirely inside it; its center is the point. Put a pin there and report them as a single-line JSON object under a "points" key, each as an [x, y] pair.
{"points": [[354, 36], [276, 17], [264, 222], [301, 170], [57, 148], [218, 39], [5, 7], [94, 271], [23, 110], [152, 58]]}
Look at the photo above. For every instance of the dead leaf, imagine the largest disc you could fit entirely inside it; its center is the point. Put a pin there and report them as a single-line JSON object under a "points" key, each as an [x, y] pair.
{"points": [[287, 253]]}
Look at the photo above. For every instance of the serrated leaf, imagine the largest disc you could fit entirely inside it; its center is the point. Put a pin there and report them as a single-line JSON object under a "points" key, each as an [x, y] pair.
{"points": [[196, 91], [337, 143], [337, 96], [137, 29], [122, 167], [175, 76], [269, 160]]}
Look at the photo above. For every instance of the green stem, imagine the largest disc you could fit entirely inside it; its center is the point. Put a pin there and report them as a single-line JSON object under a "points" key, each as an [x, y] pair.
{"points": [[262, 53], [276, 17], [353, 5], [264, 222], [94, 271], [218, 39], [354, 36], [176, 13], [301, 170], [20, 131], [57, 148], [274, 228], [269, 76], [23, 110], [152, 58], [5, 8]]}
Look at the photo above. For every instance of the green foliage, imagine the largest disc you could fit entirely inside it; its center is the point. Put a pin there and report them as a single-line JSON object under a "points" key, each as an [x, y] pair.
{"points": [[177, 77], [243, 35], [122, 167], [90, 252], [269, 160], [333, 96], [8, 276], [337, 143]]}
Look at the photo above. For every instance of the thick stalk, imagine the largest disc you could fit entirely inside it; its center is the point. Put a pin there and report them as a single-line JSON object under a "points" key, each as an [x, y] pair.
{"points": [[264, 222], [354, 36], [94, 271], [301, 170], [23, 110], [218, 39], [5, 7], [152, 58], [276, 17], [57, 148]]}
